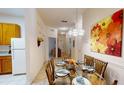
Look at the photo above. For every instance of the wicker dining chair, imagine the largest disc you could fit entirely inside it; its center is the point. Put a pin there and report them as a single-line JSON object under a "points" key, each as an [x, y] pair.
{"points": [[50, 71], [88, 60], [50, 75], [100, 66], [52, 62]]}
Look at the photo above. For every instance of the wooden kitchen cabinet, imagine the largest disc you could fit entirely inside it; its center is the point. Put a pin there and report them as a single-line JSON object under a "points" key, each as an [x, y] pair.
{"points": [[0, 66], [17, 31], [6, 64], [9, 31], [1, 34]]}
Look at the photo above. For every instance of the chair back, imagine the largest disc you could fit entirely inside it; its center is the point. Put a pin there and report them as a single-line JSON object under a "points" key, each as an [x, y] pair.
{"points": [[100, 67], [52, 62], [88, 60], [49, 72]]}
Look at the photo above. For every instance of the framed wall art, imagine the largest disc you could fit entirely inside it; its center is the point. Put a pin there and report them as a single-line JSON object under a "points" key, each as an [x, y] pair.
{"points": [[106, 35]]}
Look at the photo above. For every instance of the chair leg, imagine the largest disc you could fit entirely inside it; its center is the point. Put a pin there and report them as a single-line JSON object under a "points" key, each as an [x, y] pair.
{"points": [[71, 78]]}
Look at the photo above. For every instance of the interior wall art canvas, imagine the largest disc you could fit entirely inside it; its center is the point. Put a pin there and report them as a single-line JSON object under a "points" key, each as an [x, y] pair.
{"points": [[106, 35]]}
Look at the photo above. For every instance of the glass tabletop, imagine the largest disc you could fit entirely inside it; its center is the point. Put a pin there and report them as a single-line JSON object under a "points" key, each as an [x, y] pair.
{"points": [[77, 70]]}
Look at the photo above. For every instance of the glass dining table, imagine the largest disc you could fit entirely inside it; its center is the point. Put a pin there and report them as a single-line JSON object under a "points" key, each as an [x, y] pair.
{"points": [[80, 74]]}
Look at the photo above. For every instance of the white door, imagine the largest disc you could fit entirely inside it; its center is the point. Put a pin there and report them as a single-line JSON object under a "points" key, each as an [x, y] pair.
{"points": [[18, 62]]}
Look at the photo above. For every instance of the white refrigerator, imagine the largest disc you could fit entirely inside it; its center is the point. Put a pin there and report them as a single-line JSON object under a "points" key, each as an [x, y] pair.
{"points": [[18, 56]]}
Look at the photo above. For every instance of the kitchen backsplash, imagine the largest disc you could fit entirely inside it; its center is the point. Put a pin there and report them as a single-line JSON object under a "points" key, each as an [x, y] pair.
{"points": [[4, 48]]}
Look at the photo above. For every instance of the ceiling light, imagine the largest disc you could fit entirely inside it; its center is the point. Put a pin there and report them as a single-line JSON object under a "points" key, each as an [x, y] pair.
{"points": [[75, 33], [63, 28], [70, 33], [62, 33], [81, 32]]}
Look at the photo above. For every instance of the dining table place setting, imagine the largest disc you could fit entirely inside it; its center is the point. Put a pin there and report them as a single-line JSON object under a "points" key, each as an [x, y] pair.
{"points": [[79, 62], [61, 63], [88, 68], [62, 72], [79, 80], [70, 61]]}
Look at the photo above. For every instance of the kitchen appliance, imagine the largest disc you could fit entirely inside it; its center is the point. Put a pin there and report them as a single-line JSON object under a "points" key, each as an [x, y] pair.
{"points": [[18, 56]]}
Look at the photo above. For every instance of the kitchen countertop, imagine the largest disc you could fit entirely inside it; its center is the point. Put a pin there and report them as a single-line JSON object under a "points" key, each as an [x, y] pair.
{"points": [[4, 54]]}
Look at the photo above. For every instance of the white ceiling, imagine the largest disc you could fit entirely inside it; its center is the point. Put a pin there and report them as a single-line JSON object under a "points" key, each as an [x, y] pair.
{"points": [[12, 12], [53, 16]]}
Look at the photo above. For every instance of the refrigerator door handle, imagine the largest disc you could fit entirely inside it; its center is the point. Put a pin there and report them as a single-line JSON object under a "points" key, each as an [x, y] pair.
{"points": [[13, 44], [13, 54]]}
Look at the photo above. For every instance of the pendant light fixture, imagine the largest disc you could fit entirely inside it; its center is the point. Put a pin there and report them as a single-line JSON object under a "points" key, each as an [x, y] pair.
{"points": [[77, 30]]}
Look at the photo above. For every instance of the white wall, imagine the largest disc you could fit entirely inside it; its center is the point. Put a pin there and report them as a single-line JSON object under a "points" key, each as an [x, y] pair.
{"points": [[15, 20], [115, 67], [35, 55]]}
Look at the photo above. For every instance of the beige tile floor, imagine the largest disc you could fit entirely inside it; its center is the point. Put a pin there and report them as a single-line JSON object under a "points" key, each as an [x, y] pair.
{"points": [[9, 79], [12, 80], [41, 78]]}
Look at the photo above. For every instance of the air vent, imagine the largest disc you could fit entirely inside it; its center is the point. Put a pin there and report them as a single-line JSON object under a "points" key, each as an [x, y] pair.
{"points": [[52, 30], [64, 21]]}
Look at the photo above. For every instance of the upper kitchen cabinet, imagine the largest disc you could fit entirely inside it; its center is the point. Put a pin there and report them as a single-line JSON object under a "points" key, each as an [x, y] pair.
{"points": [[17, 31], [9, 31], [0, 34]]}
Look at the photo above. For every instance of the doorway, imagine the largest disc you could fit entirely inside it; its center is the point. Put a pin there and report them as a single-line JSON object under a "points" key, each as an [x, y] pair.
{"points": [[52, 47]]}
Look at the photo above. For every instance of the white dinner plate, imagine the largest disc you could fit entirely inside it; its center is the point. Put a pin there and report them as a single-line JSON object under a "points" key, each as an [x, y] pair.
{"points": [[91, 69], [62, 72], [88, 68], [61, 63], [79, 80]]}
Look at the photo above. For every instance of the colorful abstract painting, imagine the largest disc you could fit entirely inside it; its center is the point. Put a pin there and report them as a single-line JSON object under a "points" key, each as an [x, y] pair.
{"points": [[106, 35]]}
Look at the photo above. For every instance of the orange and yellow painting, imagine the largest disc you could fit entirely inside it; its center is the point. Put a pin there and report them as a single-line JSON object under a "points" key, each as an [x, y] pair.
{"points": [[106, 35]]}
